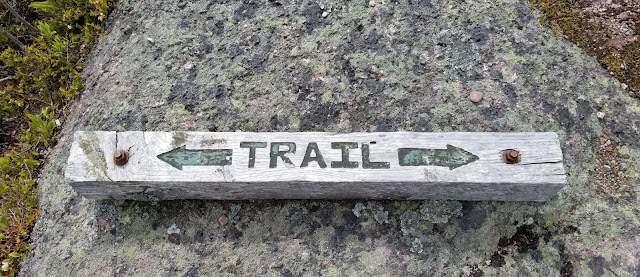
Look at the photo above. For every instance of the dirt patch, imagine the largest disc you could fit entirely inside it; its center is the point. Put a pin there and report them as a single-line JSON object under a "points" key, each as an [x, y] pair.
{"points": [[612, 23], [523, 240], [607, 29], [609, 169], [471, 271]]}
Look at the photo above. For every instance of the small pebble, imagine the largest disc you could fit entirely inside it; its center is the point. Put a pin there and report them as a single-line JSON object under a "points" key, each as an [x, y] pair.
{"points": [[606, 167], [624, 16], [624, 86], [325, 14], [623, 166], [632, 94], [150, 40], [223, 220], [372, 4], [476, 96], [600, 115], [188, 65]]}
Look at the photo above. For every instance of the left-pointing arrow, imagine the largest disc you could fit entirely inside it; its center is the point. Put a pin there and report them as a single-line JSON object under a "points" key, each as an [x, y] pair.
{"points": [[181, 156]]}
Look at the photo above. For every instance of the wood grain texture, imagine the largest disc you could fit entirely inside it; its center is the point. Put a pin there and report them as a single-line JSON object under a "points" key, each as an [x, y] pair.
{"points": [[537, 177]]}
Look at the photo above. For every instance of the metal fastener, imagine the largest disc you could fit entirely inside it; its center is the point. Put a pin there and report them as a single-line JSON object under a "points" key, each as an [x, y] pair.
{"points": [[511, 156], [121, 157]]}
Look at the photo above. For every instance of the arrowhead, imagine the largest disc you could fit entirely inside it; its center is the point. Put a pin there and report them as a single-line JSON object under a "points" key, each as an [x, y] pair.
{"points": [[171, 157], [459, 157]]}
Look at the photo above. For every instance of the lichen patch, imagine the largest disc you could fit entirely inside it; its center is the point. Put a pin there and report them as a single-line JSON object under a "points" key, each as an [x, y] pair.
{"points": [[179, 139], [97, 165]]}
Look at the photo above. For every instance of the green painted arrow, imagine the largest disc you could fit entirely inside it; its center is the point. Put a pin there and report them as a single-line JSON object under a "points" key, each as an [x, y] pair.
{"points": [[181, 156], [452, 157]]}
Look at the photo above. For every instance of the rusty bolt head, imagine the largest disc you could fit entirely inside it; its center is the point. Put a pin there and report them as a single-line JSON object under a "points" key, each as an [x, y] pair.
{"points": [[511, 156], [121, 157]]}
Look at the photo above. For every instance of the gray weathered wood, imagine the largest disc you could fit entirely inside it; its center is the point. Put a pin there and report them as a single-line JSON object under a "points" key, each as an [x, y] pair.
{"points": [[537, 177]]}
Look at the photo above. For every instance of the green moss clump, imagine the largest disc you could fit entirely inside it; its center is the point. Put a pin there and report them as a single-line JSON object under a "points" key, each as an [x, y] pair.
{"points": [[625, 65]]}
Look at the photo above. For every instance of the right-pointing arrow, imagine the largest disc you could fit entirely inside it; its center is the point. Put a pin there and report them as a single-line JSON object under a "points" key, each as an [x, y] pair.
{"points": [[452, 157]]}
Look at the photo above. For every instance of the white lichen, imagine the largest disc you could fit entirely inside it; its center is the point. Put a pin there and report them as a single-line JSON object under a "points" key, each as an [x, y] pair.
{"points": [[440, 211], [381, 216], [357, 210], [173, 229]]}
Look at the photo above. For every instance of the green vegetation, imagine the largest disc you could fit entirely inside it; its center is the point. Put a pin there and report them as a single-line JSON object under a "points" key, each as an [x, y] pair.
{"points": [[623, 64], [42, 44]]}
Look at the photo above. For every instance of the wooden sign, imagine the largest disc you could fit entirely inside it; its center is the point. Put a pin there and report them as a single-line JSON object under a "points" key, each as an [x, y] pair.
{"points": [[240, 165]]}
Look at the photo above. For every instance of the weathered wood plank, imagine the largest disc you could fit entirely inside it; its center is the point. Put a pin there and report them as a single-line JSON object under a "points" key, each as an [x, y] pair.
{"points": [[240, 165]]}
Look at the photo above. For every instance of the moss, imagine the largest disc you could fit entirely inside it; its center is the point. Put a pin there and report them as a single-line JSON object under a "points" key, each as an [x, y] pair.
{"points": [[623, 64]]}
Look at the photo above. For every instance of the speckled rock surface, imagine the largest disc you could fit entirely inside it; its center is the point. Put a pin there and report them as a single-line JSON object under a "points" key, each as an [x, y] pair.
{"points": [[354, 66]]}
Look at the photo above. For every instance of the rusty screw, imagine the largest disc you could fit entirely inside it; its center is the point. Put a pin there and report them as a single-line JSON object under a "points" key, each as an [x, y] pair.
{"points": [[511, 156], [121, 157]]}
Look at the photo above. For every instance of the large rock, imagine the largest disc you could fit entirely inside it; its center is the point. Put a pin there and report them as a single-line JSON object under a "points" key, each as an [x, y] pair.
{"points": [[357, 66]]}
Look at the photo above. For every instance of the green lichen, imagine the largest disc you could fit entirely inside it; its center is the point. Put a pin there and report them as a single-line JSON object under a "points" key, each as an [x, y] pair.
{"points": [[237, 102], [97, 164], [439, 211], [513, 58], [179, 109], [409, 222]]}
